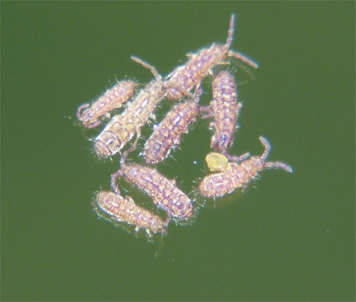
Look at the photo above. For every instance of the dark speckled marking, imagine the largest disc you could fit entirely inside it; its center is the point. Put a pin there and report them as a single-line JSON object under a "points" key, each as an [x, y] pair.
{"points": [[185, 77], [164, 192], [225, 109], [113, 98], [239, 175], [116, 208], [167, 134], [121, 129]]}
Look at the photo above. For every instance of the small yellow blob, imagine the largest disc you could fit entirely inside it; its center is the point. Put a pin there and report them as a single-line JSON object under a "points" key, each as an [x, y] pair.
{"points": [[216, 162]]}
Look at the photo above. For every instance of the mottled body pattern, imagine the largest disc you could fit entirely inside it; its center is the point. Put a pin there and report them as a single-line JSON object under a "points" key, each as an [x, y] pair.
{"points": [[238, 175], [164, 192], [116, 208], [113, 98], [185, 77], [167, 134], [224, 108], [121, 129]]}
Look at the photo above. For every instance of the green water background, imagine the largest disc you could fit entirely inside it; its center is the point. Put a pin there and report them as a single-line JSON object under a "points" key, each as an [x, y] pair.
{"points": [[291, 238]]}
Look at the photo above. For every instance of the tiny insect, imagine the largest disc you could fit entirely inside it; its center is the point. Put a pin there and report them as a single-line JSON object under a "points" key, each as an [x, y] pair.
{"points": [[225, 110], [238, 175], [185, 77], [167, 134], [112, 99], [117, 209], [164, 192], [122, 128]]}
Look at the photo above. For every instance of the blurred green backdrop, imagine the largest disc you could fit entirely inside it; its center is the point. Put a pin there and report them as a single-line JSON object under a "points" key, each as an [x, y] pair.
{"points": [[292, 238]]}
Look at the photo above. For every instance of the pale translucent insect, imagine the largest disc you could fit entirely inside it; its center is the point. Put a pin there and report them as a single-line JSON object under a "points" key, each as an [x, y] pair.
{"points": [[182, 79], [167, 134], [113, 98], [164, 192], [117, 209], [238, 175], [122, 128]]}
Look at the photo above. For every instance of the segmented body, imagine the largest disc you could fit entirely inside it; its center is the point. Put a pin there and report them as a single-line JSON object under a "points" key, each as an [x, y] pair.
{"points": [[167, 134], [113, 98], [122, 128], [185, 77], [116, 208], [238, 175], [224, 108], [164, 192]]}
